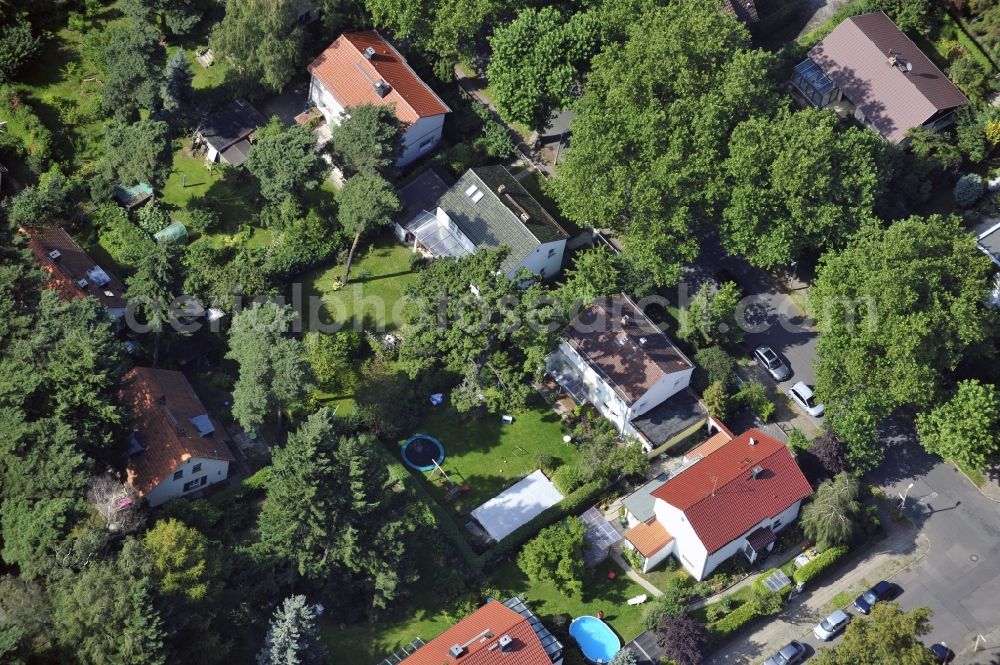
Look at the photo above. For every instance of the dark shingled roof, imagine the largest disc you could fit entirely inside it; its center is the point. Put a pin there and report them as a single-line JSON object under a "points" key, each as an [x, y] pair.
{"points": [[231, 124], [496, 219], [624, 346], [855, 56]]}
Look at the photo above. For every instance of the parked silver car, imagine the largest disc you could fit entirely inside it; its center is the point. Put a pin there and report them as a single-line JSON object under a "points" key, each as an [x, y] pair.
{"points": [[828, 628], [804, 398], [790, 654], [769, 360]]}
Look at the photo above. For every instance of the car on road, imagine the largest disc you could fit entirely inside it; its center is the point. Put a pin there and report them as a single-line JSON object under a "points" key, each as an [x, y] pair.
{"points": [[769, 360], [942, 653], [828, 628], [865, 601], [791, 653], [804, 398]]}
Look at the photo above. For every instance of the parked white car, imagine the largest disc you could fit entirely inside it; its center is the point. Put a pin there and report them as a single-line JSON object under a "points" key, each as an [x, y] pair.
{"points": [[803, 396]]}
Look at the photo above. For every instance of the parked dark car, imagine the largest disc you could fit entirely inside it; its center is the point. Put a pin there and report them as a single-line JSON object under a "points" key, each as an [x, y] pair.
{"points": [[865, 601], [942, 653], [790, 654]]}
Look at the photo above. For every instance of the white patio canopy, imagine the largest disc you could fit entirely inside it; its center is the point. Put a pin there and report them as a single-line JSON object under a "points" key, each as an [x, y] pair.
{"points": [[517, 505]]}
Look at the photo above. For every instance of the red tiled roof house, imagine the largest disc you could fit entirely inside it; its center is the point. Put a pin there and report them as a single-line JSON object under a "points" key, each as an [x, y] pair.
{"points": [[497, 633], [364, 68], [71, 270], [868, 67], [731, 498], [176, 448]]}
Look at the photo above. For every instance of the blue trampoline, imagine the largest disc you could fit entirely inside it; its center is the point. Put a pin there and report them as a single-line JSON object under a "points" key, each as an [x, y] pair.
{"points": [[421, 451]]}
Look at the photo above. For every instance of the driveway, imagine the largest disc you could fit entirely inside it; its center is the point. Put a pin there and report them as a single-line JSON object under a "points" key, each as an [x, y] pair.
{"points": [[960, 577], [769, 316]]}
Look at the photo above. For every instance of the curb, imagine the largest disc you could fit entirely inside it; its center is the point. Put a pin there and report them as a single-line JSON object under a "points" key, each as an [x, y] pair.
{"points": [[974, 485]]}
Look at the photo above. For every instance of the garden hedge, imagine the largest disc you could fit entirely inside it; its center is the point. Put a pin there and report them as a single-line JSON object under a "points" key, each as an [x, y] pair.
{"points": [[824, 560], [736, 619]]}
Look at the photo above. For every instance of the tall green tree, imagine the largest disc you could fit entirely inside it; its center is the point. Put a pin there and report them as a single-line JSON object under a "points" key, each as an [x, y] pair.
{"points": [[898, 308], [302, 517], [536, 60], [273, 371], [369, 138], [649, 141], [798, 183], [831, 516], [262, 41], [556, 555], [105, 616], [293, 638], [595, 274], [18, 46], [441, 27], [137, 152], [286, 162], [964, 428], [152, 289], [367, 201], [888, 635], [177, 90], [53, 201], [177, 16], [132, 62], [710, 317]]}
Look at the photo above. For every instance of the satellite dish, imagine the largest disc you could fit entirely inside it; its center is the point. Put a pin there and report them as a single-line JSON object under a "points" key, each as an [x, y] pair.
{"points": [[909, 67]]}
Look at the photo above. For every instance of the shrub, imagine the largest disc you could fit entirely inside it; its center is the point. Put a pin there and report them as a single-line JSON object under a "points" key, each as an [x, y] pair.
{"points": [[461, 157], [152, 218], [569, 477], [825, 559], [124, 241], [547, 463], [717, 400], [968, 189], [713, 365], [418, 261], [203, 216], [754, 396], [736, 619], [495, 140], [672, 603], [634, 559]]}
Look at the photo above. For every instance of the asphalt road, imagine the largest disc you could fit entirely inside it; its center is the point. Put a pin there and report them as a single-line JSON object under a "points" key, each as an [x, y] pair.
{"points": [[960, 576]]}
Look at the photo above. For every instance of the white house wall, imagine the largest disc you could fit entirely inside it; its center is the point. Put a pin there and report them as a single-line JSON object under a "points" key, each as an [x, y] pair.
{"points": [[786, 517], [662, 390], [325, 102], [599, 393], [420, 138], [214, 470], [545, 260], [687, 546]]}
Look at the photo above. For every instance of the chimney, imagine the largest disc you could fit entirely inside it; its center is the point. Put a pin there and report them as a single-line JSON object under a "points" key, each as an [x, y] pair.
{"points": [[504, 642], [381, 88], [525, 217], [501, 189], [753, 441], [756, 471], [55, 255], [456, 651], [369, 53]]}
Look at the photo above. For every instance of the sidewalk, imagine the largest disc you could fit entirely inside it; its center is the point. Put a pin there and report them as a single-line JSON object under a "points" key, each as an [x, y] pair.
{"points": [[903, 546]]}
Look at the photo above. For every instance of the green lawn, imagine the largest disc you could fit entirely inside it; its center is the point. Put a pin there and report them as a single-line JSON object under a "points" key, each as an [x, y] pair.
{"points": [[661, 577], [599, 594], [490, 456], [374, 296]]}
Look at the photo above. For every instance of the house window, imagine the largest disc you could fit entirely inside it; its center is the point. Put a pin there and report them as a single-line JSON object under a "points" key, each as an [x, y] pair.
{"points": [[196, 468], [426, 143], [194, 484], [178, 474], [552, 253], [776, 525]]}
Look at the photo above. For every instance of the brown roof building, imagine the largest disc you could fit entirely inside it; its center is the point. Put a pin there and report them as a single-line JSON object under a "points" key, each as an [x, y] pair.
{"points": [[72, 272], [745, 10], [868, 67], [176, 447], [497, 633], [364, 68], [615, 357]]}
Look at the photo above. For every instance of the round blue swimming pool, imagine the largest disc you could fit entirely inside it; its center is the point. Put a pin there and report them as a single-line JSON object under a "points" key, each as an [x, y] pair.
{"points": [[596, 639], [421, 451]]}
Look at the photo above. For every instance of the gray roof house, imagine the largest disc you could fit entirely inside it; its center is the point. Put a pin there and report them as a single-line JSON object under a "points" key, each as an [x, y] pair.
{"points": [[488, 208], [227, 134], [868, 67]]}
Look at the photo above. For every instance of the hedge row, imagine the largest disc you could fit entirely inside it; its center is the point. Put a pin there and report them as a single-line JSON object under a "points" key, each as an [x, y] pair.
{"points": [[736, 619], [825, 559], [584, 495]]}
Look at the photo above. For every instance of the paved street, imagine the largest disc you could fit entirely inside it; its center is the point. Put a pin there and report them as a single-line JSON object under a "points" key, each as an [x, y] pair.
{"points": [[960, 577]]}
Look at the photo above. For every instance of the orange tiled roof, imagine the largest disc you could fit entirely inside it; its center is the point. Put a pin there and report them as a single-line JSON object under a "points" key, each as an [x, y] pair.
{"points": [[163, 403], [350, 77], [648, 537], [709, 446], [498, 619], [720, 495], [72, 265]]}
